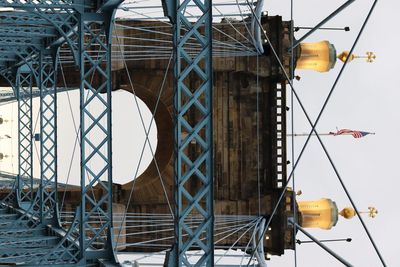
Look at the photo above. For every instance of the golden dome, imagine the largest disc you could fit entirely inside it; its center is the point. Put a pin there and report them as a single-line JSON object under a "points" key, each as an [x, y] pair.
{"points": [[318, 56], [322, 213]]}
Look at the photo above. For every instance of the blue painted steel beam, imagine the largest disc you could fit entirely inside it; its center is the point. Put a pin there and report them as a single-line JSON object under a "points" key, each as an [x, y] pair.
{"points": [[24, 18], [80, 26], [25, 136], [48, 138], [29, 5], [16, 50], [20, 41], [8, 58], [28, 31], [193, 133], [95, 133], [33, 19], [24, 56], [6, 52]]}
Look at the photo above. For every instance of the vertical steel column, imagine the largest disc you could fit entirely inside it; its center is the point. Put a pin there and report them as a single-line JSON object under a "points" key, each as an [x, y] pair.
{"points": [[25, 159], [95, 222], [193, 133], [48, 138]]}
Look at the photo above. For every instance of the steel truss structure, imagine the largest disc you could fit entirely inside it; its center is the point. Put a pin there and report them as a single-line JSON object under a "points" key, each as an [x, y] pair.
{"points": [[29, 59], [30, 229], [32, 33], [29, 56], [192, 165]]}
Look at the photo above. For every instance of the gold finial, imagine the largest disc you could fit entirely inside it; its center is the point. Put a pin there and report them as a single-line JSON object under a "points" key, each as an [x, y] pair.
{"points": [[370, 56], [343, 56], [372, 212], [349, 213]]}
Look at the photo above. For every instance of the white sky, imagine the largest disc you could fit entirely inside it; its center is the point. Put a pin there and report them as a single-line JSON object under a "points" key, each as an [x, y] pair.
{"points": [[365, 99], [128, 137]]}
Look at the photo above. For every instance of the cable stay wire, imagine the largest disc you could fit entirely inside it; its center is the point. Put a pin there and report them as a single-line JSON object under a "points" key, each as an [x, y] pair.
{"points": [[167, 23], [77, 139], [220, 48], [292, 130], [243, 19], [313, 126], [225, 231], [225, 49], [249, 226], [235, 29], [222, 224], [147, 131], [248, 244], [237, 240]]}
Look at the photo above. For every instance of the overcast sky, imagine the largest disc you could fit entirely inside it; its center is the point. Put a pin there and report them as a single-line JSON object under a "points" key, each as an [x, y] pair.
{"points": [[365, 99]]}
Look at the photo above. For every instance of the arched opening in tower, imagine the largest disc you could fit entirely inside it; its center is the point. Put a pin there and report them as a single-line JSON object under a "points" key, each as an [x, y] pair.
{"points": [[134, 136], [131, 118]]}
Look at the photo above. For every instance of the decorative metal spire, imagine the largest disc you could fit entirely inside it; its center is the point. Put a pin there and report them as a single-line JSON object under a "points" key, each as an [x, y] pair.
{"points": [[372, 212], [369, 57], [349, 213]]}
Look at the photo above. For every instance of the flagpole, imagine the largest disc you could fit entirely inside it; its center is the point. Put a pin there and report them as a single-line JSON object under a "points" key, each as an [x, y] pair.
{"points": [[306, 134], [320, 134]]}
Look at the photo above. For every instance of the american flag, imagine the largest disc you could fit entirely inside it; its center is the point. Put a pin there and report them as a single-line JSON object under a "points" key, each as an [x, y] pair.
{"points": [[355, 134]]}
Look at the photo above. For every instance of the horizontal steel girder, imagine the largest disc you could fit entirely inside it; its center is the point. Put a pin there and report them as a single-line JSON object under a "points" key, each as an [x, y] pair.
{"points": [[42, 4], [8, 58], [33, 19], [60, 4], [20, 41], [27, 31]]}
